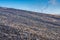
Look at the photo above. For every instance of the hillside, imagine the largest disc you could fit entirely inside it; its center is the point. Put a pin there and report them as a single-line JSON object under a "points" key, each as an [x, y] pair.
{"points": [[18, 24]]}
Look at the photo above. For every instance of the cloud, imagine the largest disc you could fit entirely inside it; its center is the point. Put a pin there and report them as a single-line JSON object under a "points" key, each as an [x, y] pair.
{"points": [[53, 2]]}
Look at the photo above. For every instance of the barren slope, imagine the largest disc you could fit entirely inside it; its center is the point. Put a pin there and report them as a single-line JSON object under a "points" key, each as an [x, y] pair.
{"points": [[25, 25]]}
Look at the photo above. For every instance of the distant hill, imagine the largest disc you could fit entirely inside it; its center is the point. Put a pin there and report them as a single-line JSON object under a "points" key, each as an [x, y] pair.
{"points": [[18, 24]]}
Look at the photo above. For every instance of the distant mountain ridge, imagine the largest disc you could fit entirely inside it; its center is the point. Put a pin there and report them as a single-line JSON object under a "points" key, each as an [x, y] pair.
{"points": [[18, 24]]}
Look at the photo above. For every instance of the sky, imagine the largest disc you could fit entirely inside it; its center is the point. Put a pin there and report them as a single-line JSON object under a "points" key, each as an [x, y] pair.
{"points": [[42, 6]]}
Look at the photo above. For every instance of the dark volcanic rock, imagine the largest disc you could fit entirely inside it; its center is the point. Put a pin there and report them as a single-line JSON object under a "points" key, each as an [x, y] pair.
{"points": [[18, 24]]}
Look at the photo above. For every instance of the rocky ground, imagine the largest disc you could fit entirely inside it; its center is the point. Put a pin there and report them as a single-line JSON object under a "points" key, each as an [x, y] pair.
{"points": [[18, 24]]}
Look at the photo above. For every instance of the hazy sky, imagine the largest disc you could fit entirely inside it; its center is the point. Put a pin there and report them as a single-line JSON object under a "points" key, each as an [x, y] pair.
{"points": [[45, 6]]}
